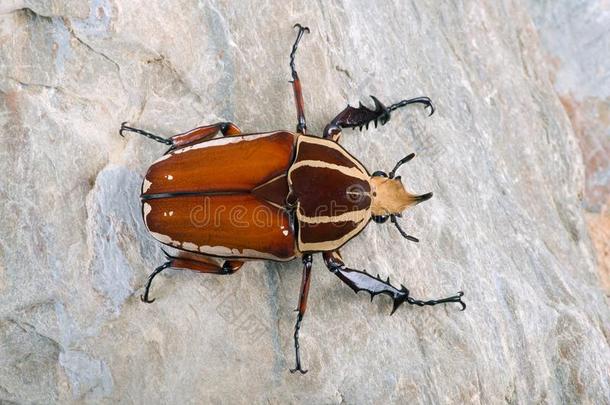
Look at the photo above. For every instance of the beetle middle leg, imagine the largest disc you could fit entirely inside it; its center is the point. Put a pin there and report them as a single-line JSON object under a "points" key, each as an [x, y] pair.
{"points": [[296, 83], [196, 262], [191, 137], [307, 261]]}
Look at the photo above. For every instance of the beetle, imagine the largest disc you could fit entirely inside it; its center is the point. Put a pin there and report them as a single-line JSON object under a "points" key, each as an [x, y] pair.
{"points": [[276, 195]]}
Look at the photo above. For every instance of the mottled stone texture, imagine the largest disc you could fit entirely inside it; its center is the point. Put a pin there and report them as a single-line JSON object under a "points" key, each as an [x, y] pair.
{"points": [[576, 41], [505, 225]]}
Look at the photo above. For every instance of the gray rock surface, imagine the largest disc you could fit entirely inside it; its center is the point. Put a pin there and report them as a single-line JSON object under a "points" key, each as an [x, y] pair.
{"points": [[505, 225], [576, 41]]}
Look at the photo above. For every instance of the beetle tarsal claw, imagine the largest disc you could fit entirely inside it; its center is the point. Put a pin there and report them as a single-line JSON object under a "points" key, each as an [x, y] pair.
{"points": [[144, 299], [420, 100], [301, 28], [300, 370], [158, 270], [123, 125], [459, 296]]}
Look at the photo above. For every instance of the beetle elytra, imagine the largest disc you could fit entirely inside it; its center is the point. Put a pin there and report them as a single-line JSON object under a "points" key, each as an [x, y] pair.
{"points": [[277, 195]]}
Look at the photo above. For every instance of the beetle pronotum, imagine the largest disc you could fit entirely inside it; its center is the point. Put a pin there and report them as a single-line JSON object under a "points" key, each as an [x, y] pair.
{"points": [[274, 196]]}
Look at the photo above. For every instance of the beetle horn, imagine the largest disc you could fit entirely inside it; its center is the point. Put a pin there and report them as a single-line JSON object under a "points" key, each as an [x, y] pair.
{"points": [[423, 197]]}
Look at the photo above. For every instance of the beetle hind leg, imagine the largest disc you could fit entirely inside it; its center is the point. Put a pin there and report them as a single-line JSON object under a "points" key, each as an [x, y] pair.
{"points": [[195, 262], [204, 133], [188, 138], [158, 270], [157, 138]]}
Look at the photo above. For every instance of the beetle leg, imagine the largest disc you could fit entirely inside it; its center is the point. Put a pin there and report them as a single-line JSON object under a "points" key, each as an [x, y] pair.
{"points": [[196, 262], [296, 83], [158, 270], [200, 134], [193, 136], [125, 127], [360, 280], [307, 261], [362, 116]]}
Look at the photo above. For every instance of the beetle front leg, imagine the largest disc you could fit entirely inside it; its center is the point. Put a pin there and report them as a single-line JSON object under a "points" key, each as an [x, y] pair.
{"points": [[191, 137], [307, 261], [359, 280], [200, 263], [362, 116], [296, 83]]}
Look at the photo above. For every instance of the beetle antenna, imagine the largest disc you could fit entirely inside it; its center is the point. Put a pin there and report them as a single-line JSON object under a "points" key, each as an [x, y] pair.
{"points": [[400, 163], [403, 233], [421, 100]]}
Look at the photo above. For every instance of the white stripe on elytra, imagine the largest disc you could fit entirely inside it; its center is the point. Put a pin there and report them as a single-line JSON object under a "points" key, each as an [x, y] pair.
{"points": [[348, 171], [354, 216], [221, 251], [145, 186], [216, 142], [225, 141], [147, 210]]}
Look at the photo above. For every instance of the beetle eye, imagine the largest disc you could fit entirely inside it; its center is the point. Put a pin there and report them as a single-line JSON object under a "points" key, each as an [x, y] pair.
{"points": [[380, 219]]}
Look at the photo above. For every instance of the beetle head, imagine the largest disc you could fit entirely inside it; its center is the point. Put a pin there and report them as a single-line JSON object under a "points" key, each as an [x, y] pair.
{"points": [[390, 197]]}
